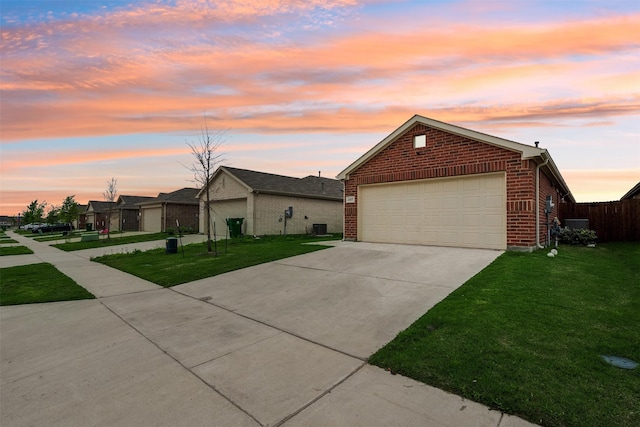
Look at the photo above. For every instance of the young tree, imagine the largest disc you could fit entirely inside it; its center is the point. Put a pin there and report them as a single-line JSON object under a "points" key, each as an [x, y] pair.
{"points": [[34, 212], [110, 195], [69, 211], [207, 159], [53, 214]]}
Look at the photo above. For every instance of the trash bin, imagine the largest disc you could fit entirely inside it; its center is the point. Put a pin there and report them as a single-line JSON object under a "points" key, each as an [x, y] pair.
{"points": [[172, 245], [89, 226], [235, 226]]}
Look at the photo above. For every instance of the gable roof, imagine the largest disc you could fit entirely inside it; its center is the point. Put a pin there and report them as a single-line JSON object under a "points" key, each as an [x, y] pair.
{"points": [[132, 201], [635, 191], [185, 196], [100, 206], [539, 155], [309, 186]]}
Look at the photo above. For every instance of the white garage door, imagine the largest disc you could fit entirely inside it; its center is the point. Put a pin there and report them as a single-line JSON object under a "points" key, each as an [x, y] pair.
{"points": [[462, 211], [152, 219]]}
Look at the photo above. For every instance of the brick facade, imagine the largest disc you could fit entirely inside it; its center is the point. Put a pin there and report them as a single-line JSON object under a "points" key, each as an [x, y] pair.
{"points": [[187, 215], [449, 155]]}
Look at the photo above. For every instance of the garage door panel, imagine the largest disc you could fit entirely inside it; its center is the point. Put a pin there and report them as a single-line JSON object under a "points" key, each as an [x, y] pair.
{"points": [[464, 211], [152, 220]]}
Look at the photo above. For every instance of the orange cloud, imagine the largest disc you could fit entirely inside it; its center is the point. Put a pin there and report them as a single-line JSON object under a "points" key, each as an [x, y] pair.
{"points": [[93, 88], [600, 185]]}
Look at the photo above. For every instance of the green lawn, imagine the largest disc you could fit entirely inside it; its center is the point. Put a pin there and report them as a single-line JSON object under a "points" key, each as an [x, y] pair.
{"points": [[172, 269], [28, 284], [113, 241], [14, 250], [525, 336], [48, 237]]}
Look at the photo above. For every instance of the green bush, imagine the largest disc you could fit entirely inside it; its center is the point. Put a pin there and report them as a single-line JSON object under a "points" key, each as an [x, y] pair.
{"points": [[579, 236]]}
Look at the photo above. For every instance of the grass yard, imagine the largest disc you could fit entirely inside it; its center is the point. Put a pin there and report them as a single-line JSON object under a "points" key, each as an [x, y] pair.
{"points": [[49, 237], [173, 269], [113, 241], [34, 283], [14, 250], [525, 336]]}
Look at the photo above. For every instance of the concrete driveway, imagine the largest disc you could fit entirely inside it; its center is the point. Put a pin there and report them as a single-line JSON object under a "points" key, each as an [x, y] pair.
{"points": [[282, 343]]}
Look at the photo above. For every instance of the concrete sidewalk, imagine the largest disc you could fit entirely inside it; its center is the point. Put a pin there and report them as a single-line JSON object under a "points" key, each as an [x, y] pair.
{"points": [[282, 343]]}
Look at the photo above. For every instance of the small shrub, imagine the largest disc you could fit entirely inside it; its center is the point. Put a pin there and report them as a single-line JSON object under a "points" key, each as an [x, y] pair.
{"points": [[580, 236], [171, 231]]}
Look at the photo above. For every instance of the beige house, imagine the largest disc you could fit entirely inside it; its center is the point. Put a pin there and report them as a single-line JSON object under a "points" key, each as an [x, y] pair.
{"points": [[272, 204]]}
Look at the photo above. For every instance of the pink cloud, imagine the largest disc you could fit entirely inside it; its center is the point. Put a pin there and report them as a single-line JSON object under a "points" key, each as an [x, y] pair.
{"points": [[600, 185]]}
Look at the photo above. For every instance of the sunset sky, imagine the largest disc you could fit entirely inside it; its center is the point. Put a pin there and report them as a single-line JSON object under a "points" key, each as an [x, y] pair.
{"points": [[94, 89]]}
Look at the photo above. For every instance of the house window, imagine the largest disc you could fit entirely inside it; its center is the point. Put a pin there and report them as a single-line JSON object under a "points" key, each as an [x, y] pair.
{"points": [[420, 141]]}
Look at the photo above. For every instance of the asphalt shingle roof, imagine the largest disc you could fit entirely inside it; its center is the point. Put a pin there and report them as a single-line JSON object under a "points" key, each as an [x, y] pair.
{"points": [[184, 195], [310, 186], [131, 201], [100, 206]]}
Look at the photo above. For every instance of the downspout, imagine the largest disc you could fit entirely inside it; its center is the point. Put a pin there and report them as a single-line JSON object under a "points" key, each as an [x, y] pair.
{"points": [[344, 210], [538, 245]]}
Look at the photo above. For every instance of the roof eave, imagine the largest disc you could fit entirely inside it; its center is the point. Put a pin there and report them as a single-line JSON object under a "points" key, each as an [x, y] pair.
{"points": [[307, 196], [526, 151]]}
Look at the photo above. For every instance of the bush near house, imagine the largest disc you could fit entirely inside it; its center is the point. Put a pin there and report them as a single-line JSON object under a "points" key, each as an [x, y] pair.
{"points": [[580, 236]]}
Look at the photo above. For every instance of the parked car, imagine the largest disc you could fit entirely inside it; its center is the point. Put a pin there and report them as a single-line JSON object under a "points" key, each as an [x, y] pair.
{"points": [[32, 226], [51, 228]]}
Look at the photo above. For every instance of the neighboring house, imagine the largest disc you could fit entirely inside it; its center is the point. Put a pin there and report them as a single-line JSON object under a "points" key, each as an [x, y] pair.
{"points": [[96, 214], [160, 213], [81, 222], [261, 200], [433, 183], [127, 213], [634, 193]]}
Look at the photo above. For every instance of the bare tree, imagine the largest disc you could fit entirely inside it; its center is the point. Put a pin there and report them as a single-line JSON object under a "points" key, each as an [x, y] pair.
{"points": [[110, 195], [207, 158]]}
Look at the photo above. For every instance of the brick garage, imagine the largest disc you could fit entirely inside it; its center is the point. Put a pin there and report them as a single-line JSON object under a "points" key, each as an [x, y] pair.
{"points": [[434, 183]]}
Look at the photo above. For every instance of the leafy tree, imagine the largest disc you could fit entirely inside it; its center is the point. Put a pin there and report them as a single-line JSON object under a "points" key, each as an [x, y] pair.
{"points": [[34, 212], [110, 195], [207, 158], [53, 215], [69, 211]]}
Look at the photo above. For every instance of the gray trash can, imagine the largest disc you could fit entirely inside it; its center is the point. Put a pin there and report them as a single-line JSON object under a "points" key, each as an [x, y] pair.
{"points": [[172, 245]]}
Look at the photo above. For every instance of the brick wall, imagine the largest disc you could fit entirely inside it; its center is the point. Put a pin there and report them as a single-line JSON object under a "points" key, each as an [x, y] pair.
{"points": [[131, 220], [448, 155], [188, 216]]}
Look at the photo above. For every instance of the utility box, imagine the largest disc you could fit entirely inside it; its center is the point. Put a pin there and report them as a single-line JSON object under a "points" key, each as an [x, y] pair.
{"points": [[319, 229], [235, 227], [577, 223]]}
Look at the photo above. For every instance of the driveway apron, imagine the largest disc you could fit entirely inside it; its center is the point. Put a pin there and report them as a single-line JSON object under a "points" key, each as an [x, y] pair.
{"points": [[283, 343]]}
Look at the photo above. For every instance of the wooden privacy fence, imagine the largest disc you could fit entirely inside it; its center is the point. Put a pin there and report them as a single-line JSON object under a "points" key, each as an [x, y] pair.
{"points": [[612, 221]]}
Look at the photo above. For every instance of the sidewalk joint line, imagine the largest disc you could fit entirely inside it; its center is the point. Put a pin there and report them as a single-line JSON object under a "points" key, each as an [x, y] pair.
{"points": [[212, 387], [323, 394], [262, 322]]}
